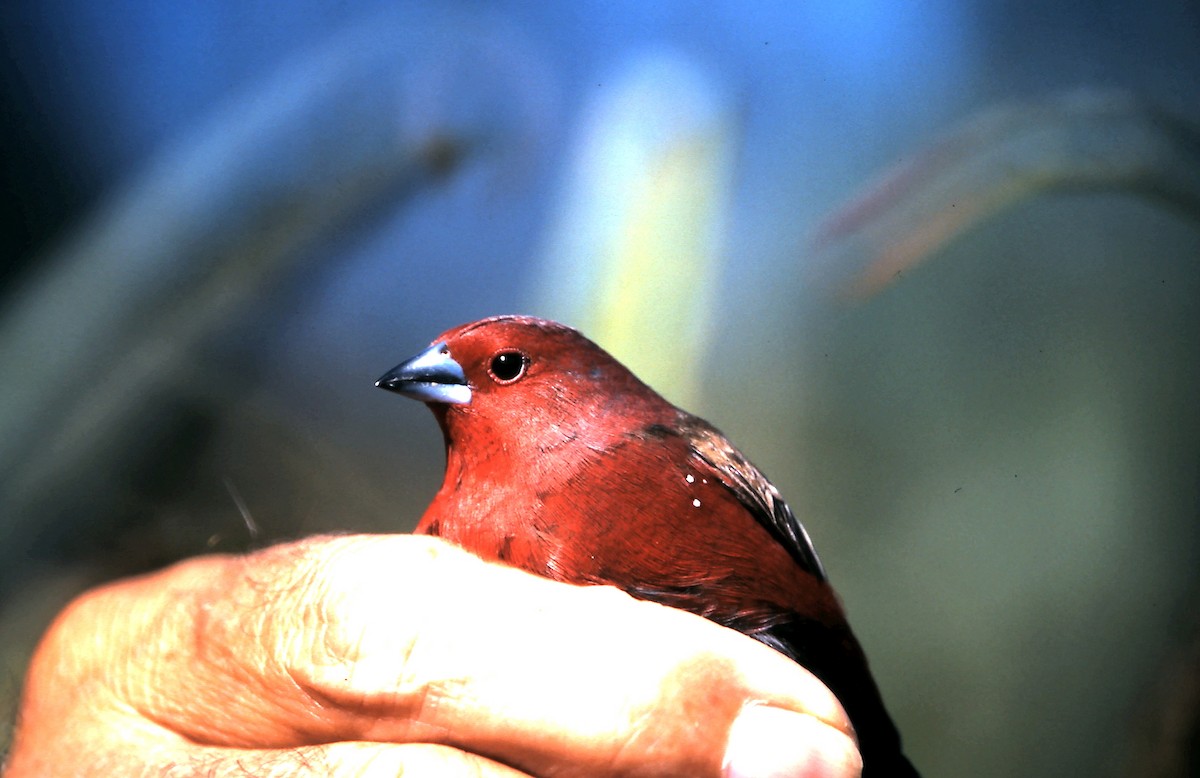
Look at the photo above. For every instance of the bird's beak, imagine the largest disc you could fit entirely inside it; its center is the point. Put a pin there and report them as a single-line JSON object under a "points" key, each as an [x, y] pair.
{"points": [[431, 376]]}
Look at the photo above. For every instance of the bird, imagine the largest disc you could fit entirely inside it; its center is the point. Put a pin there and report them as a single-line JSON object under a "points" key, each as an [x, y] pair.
{"points": [[560, 461]]}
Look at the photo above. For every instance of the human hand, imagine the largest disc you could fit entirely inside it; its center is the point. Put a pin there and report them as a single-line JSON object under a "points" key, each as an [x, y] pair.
{"points": [[388, 655]]}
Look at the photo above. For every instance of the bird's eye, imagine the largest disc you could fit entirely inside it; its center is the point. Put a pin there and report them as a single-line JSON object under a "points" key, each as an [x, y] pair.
{"points": [[508, 366]]}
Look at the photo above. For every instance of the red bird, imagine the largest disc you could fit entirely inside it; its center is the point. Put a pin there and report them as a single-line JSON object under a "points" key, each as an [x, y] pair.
{"points": [[560, 461]]}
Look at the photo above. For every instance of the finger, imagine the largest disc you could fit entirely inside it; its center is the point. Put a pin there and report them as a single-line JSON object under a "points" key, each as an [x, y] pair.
{"points": [[331, 760], [587, 676], [349, 760], [407, 639], [766, 741]]}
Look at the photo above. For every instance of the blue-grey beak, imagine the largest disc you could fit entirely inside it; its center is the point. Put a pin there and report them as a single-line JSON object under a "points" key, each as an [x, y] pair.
{"points": [[431, 376]]}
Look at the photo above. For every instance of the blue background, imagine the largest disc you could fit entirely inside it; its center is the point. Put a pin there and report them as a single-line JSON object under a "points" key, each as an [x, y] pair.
{"points": [[995, 454]]}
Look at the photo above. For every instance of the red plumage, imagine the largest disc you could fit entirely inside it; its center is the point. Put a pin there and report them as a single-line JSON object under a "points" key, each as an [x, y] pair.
{"points": [[560, 461]]}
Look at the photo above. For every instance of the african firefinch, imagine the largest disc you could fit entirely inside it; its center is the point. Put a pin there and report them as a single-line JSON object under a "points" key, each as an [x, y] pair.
{"points": [[560, 461]]}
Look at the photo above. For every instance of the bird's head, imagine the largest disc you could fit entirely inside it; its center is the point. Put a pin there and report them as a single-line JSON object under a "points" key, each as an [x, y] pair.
{"points": [[521, 379]]}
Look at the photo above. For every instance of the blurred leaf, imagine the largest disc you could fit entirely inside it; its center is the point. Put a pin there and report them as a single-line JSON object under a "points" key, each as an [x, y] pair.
{"points": [[634, 256], [1086, 140], [111, 321]]}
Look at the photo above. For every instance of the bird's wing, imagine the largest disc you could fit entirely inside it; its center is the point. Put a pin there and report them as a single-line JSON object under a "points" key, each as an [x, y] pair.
{"points": [[753, 490]]}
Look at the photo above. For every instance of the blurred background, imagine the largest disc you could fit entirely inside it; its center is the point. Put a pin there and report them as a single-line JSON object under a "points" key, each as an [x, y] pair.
{"points": [[932, 265]]}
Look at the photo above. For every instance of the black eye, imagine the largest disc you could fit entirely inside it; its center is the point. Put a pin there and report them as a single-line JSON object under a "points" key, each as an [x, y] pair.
{"points": [[508, 366]]}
